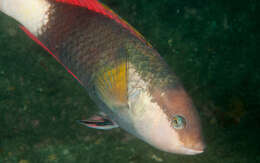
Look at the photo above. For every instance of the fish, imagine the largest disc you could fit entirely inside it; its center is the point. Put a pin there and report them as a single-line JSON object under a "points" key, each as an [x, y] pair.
{"points": [[134, 88]]}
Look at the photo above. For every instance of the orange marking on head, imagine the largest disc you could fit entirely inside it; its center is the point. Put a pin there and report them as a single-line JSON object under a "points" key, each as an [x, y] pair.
{"points": [[178, 102]]}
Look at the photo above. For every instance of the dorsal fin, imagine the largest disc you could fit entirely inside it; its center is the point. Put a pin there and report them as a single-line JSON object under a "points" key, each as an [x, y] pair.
{"points": [[95, 5]]}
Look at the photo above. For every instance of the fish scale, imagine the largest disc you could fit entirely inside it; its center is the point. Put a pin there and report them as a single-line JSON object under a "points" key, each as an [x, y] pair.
{"points": [[79, 46], [95, 51], [121, 72], [91, 41]]}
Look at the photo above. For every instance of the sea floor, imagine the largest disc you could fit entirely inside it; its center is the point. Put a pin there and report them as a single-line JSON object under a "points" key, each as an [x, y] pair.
{"points": [[212, 45]]}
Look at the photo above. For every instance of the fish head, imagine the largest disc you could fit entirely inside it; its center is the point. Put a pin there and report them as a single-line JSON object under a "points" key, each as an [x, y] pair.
{"points": [[170, 122], [182, 123]]}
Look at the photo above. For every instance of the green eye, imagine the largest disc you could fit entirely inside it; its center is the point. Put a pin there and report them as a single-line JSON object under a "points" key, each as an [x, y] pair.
{"points": [[178, 122]]}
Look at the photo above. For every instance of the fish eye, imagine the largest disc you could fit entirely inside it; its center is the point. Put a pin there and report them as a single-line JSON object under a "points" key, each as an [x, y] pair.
{"points": [[178, 122]]}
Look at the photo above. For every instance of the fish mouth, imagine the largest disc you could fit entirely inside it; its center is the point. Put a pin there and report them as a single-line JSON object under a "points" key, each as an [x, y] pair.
{"points": [[190, 151]]}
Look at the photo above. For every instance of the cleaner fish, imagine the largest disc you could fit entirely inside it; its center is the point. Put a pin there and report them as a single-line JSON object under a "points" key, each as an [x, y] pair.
{"points": [[122, 73]]}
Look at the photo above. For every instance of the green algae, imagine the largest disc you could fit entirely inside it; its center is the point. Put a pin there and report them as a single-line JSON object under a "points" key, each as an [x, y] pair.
{"points": [[212, 46]]}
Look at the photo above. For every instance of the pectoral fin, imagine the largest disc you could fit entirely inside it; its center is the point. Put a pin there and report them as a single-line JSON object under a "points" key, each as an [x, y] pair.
{"points": [[99, 122]]}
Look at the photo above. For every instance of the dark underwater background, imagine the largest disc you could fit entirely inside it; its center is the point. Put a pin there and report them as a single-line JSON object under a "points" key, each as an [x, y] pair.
{"points": [[212, 45]]}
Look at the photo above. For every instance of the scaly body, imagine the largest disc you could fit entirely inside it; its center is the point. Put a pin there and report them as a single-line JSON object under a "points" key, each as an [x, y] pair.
{"points": [[122, 73]]}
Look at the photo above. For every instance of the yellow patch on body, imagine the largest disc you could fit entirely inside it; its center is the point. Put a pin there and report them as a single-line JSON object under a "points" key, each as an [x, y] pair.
{"points": [[112, 84]]}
